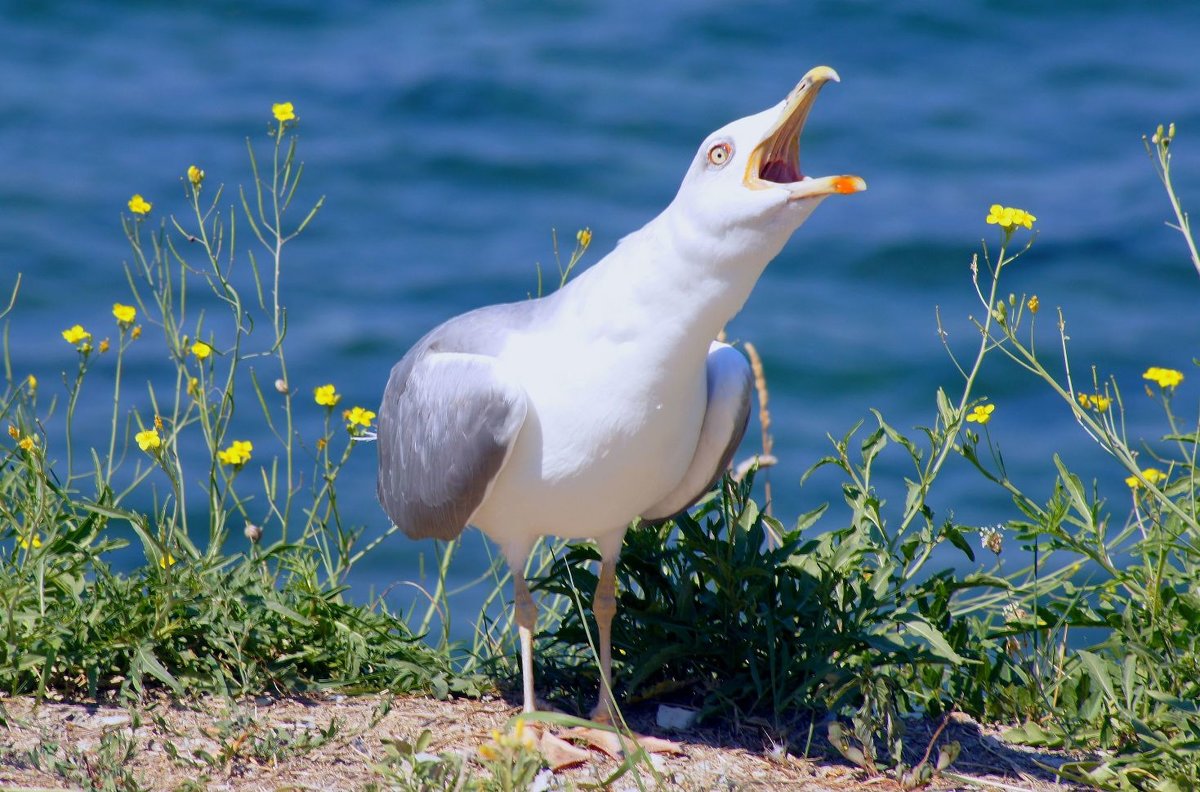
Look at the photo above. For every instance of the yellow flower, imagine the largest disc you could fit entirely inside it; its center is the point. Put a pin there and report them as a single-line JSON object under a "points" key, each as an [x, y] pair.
{"points": [[166, 561], [1022, 218], [195, 175], [1164, 377], [1033, 304], [148, 440], [357, 416], [584, 237], [1009, 218], [137, 333], [1095, 401], [26, 443], [76, 334], [27, 542], [237, 454], [1153, 475], [124, 314], [284, 111], [502, 745], [104, 345], [981, 413], [139, 205], [193, 387], [31, 383], [158, 422], [523, 738], [326, 396], [999, 215], [321, 443], [201, 350]]}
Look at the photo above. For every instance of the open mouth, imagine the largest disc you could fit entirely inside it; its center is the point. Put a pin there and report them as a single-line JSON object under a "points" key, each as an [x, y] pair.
{"points": [[775, 162]]}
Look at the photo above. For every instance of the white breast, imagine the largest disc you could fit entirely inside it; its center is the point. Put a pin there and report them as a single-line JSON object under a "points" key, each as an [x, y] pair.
{"points": [[611, 429]]}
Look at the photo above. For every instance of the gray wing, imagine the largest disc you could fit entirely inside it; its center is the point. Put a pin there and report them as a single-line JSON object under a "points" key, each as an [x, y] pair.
{"points": [[730, 383], [446, 426]]}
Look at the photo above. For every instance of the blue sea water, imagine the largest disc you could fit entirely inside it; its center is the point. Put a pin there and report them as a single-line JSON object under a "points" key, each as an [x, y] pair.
{"points": [[451, 139]]}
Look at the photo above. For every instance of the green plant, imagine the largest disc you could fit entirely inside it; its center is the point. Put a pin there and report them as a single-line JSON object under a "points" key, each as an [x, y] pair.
{"points": [[917, 776], [174, 471], [851, 622], [824, 623], [104, 769], [509, 763], [844, 615], [1131, 694], [409, 767], [243, 738]]}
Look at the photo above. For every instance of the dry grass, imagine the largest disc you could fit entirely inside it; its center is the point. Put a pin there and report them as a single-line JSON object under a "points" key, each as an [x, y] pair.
{"points": [[288, 744]]}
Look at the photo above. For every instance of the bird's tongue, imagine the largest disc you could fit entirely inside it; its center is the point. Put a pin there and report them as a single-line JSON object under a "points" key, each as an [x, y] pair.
{"points": [[780, 172]]}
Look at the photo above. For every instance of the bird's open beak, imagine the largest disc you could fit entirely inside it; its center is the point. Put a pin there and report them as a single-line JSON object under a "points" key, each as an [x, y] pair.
{"points": [[775, 162]]}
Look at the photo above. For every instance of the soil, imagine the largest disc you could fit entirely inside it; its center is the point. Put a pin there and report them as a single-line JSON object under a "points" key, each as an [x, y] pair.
{"points": [[271, 744]]}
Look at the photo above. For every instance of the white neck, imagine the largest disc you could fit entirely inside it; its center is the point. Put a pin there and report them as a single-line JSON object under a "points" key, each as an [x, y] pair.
{"points": [[674, 280]]}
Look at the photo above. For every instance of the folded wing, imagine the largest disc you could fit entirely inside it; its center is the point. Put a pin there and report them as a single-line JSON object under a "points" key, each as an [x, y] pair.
{"points": [[446, 426], [730, 383]]}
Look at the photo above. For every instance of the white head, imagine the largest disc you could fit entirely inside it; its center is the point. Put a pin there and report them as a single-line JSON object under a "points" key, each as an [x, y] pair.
{"points": [[745, 191]]}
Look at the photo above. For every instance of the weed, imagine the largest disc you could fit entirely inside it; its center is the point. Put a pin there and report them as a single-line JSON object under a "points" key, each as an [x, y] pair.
{"points": [[409, 767], [508, 763], [104, 769], [849, 621], [175, 473], [838, 616]]}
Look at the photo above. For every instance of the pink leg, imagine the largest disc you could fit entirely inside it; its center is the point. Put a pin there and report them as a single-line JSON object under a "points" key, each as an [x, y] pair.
{"points": [[604, 607], [526, 613]]}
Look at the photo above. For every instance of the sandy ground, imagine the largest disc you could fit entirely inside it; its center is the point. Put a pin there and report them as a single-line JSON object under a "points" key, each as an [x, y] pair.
{"points": [[269, 744]]}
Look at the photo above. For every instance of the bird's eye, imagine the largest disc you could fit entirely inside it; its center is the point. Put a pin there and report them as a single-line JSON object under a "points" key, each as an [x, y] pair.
{"points": [[719, 154]]}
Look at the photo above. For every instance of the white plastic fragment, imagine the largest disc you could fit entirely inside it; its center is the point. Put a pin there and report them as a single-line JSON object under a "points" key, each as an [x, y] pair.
{"points": [[671, 717]]}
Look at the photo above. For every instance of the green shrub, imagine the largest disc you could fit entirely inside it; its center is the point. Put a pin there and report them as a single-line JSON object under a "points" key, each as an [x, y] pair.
{"points": [[177, 475]]}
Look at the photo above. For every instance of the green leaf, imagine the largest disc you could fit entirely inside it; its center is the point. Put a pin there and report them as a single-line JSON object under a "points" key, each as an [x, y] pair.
{"points": [[1098, 670], [895, 436], [807, 519], [937, 642], [946, 412], [956, 538], [1189, 706], [146, 661], [1074, 487], [1031, 733], [288, 613], [748, 516], [875, 442]]}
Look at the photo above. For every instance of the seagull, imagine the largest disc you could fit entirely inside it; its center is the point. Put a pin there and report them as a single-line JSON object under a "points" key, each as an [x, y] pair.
{"points": [[575, 414]]}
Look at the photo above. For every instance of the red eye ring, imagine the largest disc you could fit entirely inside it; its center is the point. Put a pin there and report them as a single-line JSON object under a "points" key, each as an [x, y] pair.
{"points": [[720, 154]]}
